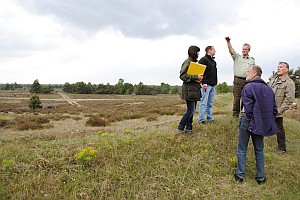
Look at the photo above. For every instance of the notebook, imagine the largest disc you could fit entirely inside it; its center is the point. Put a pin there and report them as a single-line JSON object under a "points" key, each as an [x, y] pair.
{"points": [[196, 68]]}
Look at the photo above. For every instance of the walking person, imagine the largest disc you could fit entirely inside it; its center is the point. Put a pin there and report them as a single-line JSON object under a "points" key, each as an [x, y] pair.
{"points": [[257, 120], [284, 89], [241, 64], [190, 91], [209, 83]]}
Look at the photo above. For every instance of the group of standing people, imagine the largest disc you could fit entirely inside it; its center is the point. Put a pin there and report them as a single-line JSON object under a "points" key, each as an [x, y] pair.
{"points": [[198, 88], [261, 105]]}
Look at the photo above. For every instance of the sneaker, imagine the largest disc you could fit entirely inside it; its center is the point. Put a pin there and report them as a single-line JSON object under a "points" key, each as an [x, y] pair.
{"points": [[180, 131], [202, 122], [261, 181], [238, 178], [189, 131]]}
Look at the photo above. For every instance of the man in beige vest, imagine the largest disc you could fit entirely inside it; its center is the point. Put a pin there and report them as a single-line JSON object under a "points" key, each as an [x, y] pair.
{"points": [[284, 89], [241, 64]]}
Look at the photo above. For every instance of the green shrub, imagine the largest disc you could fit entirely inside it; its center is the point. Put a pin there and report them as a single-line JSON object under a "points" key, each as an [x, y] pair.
{"points": [[34, 102]]}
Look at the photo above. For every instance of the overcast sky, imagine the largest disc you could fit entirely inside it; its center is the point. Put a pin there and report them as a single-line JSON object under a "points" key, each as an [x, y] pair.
{"points": [[100, 41]]}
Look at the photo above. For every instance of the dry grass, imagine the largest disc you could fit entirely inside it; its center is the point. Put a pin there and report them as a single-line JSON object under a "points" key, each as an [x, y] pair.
{"points": [[138, 158], [294, 113], [111, 107]]}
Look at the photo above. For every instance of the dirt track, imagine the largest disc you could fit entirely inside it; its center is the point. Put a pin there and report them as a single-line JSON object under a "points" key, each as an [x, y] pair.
{"points": [[70, 101], [73, 102]]}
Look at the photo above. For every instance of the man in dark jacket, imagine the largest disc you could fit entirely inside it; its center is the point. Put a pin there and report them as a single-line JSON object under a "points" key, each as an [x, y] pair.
{"points": [[209, 83], [257, 120]]}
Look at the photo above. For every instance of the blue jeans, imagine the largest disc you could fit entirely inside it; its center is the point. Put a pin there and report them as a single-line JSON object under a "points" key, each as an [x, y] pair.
{"points": [[258, 143], [187, 119], [206, 103]]}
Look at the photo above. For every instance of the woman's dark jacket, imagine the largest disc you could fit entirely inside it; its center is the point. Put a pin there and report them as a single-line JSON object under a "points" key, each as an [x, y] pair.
{"points": [[210, 75], [191, 90]]}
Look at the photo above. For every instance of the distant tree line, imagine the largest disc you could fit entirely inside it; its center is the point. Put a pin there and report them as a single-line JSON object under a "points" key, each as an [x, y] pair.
{"points": [[36, 87], [120, 88], [126, 88], [12, 86], [223, 88], [295, 75]]}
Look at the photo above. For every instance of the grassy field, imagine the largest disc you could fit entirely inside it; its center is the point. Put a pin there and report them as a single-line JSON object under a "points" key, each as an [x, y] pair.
{"points": [[137, 154]]}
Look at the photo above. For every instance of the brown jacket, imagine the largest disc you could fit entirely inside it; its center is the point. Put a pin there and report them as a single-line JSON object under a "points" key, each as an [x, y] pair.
{"points": [[284, 90]]}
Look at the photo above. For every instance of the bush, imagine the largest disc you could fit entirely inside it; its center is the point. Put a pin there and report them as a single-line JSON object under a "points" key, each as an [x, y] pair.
{"points": [[152, 117], [96, 120], [30, 123], [28, 126], [39, 120], [34, 102], [4, 122]]}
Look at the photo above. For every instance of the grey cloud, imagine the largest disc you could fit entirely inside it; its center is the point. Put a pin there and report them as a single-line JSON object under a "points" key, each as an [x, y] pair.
{"points": [[139, 18], [18, 47], [22, 46]]}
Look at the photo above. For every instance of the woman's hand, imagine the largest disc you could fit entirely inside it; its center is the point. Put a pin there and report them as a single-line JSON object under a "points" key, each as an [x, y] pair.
{"points": [[200, 77], [204, 86]]}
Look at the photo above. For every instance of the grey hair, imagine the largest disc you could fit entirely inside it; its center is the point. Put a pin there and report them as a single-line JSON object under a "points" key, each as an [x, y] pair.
{"points": [[286, 64], [249, 46]]}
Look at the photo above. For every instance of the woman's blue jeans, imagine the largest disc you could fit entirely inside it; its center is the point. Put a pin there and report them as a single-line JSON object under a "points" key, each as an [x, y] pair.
{"points": [[187, 119], [258, 143]]}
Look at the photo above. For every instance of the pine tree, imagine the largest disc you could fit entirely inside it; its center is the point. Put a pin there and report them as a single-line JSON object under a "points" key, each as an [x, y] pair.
{"points": [[35, 87], [34, 102]]}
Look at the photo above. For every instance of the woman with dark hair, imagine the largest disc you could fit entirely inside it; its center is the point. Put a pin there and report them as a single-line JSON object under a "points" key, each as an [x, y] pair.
{"points": [[191, 91]]}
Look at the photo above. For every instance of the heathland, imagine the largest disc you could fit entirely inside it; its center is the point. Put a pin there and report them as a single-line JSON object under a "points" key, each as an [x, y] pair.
{"points": [[126, 147]]}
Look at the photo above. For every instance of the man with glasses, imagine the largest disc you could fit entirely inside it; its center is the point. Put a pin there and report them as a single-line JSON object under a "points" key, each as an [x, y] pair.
{"points": [[284, 89], [241, 64]]}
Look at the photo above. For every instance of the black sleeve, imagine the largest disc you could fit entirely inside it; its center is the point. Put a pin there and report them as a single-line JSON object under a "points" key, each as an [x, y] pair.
{"points": [[203, 61]]}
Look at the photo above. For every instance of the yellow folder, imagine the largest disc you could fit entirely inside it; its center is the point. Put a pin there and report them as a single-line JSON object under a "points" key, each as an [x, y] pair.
{"points": [[196, 68]]}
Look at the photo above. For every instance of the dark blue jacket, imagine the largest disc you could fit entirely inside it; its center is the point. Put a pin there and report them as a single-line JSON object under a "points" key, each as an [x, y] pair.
{"points": [[260, 107]]}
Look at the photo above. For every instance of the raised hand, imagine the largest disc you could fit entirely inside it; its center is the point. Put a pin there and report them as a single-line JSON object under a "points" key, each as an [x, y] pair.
{"points": [[227, 39]]}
